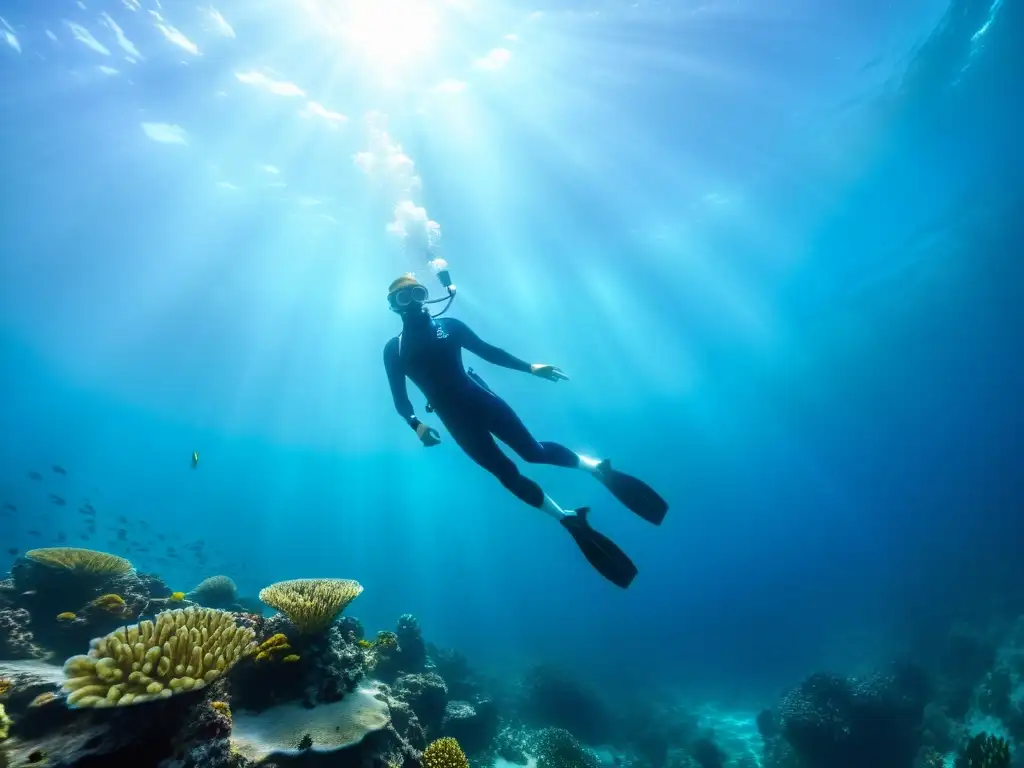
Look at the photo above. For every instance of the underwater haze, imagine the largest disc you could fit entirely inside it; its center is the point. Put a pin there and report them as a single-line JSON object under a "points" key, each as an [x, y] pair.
{"points": [[775, 247]]}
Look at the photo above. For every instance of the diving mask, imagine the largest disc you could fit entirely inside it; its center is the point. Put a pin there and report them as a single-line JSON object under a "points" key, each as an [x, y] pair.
{"points": [[406, 296]]}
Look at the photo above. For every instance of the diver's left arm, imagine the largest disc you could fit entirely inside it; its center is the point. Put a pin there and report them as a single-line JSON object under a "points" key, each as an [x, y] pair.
{"points": [[492, 354]]}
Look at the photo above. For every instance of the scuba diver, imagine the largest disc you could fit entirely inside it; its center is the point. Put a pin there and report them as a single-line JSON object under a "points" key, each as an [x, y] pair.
{"points": [[429, 352]]}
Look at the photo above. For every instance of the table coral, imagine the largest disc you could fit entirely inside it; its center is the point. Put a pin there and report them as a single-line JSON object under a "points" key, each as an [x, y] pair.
{"points": [[83, 561], [311, 604]]}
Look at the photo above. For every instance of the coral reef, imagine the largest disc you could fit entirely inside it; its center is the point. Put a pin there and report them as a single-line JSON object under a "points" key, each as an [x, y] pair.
{"points": [[290, 729], [412, 651], [184, 650], [312, 605], [23, 681], [454, 668], [215, 592], [16, 639], [835, 722], [444, 753], [308, 668], [82, 562], [69, 606], [427, 695], [473, 726], [511, 744], [984, 751], [557, 748]]}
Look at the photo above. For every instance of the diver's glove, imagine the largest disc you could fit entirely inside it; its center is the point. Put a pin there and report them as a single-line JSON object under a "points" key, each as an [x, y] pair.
{"points": [[427, 435], [549, 372]]}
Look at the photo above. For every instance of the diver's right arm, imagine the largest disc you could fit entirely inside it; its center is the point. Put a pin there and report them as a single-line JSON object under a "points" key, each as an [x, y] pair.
{"points": [[400, 394], [396, 380]]}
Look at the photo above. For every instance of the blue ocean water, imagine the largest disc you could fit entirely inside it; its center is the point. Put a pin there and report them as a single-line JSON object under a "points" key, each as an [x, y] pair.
{"points": [[775, 249]]}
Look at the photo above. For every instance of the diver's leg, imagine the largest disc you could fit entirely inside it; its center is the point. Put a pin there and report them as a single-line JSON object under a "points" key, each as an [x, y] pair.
{"points": [[471, 435], [601, 552], [635, 494], [506, 425]]}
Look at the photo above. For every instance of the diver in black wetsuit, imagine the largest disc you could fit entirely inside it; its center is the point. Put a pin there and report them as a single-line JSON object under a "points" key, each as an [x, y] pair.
{"points": [[429, 351]]}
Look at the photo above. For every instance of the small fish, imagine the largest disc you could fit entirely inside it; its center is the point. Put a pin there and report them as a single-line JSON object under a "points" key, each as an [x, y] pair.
{"points": [[28, 592], [122, 534], [35, 533], [122, 520], [10, 507], [33, 475], [58, 500], [58, 470], [62, 536], [12, 551], [195, 459]]}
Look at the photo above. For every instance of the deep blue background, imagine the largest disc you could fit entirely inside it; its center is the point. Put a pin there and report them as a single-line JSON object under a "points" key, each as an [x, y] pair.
{"points": [[777, 250]]}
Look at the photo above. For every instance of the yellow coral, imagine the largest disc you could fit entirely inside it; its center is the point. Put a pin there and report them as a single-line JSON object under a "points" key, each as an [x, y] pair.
{"points": [[291, 658], [365, 644], [184, 650], [5, 724], [43, 699], [177, 596], [386, 640], [81, 561], [66, 616], [223, 707], [278, 642], [5, 685], [111, 604], [444, 753], [311, 604], [272, 645]]}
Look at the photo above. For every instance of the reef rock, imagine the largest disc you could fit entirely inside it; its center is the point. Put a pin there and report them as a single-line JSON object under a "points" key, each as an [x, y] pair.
{"points": [[427, 695], [551, 697], [412, 651], [16, 638], [474, 726], [28, 679], [322, 669], [164, 733], [837, 722]]}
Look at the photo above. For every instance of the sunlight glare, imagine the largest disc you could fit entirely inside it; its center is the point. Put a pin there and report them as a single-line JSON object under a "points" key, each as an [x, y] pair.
{"points": [[387, 33]]}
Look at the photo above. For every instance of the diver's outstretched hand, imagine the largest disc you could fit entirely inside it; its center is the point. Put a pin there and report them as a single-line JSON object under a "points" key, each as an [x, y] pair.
{"points": [[549, 372], [427, 435]]}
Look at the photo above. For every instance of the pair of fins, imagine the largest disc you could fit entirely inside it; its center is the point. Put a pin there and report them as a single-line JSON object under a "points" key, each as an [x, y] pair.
{"points": [[601, 552]]}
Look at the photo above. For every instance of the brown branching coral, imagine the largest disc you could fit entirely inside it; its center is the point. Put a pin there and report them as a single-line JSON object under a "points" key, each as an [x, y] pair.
{"points": [[183, 650], [311, 604], [82, 561]]}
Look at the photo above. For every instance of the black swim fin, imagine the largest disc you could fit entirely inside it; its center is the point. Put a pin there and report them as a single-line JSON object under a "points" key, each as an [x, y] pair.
{"points": [[637, 495], [602, 553]]}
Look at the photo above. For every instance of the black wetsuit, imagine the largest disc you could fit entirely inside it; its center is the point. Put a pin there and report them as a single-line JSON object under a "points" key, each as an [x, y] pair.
{"points": [[429, 351]]}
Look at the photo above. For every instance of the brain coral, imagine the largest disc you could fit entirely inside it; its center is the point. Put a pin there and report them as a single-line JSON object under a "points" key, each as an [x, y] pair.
{"points": [[183, 651]]}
